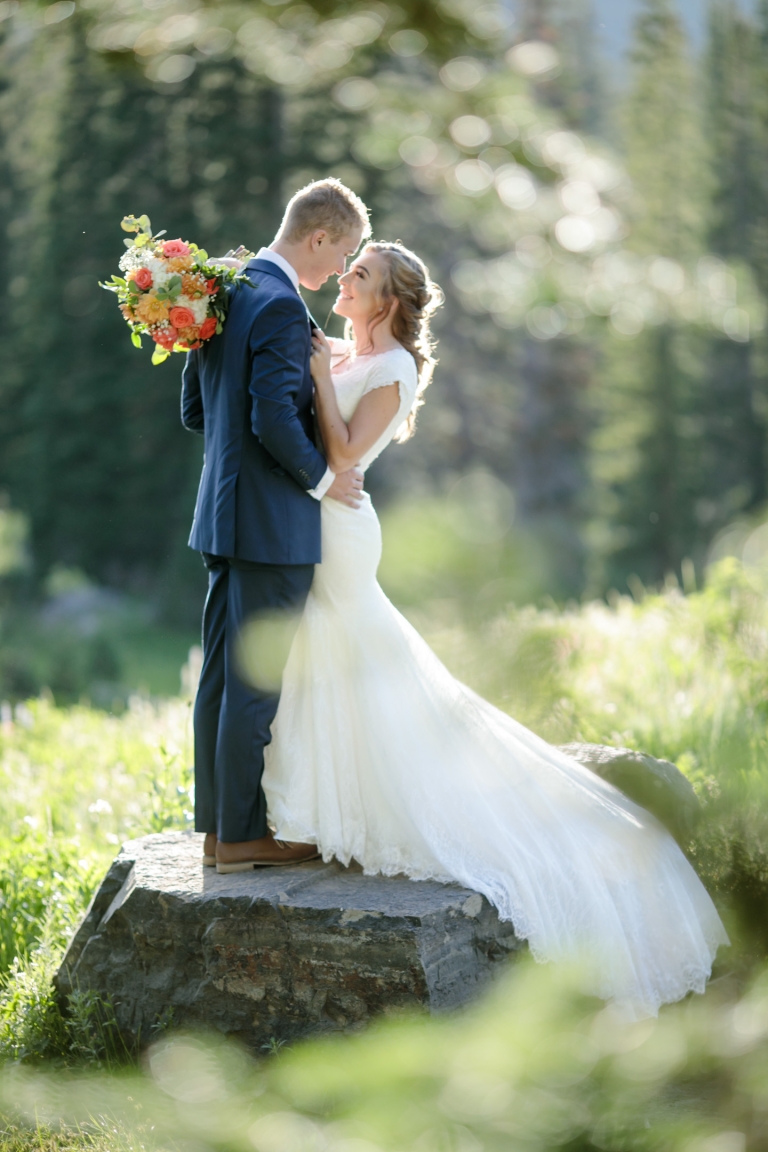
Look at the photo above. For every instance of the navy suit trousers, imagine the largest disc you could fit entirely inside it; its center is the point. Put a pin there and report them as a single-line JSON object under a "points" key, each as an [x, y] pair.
{"points": [[232, 717]]}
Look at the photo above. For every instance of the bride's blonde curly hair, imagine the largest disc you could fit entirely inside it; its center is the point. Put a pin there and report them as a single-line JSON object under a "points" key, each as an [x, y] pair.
{"points": [[407, 280]]}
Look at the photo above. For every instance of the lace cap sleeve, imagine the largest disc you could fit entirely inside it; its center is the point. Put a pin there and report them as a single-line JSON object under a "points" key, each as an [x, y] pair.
{"points": [[397, 367]]}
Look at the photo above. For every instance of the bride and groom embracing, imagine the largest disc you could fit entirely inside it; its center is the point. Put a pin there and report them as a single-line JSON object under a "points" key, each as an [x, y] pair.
{"points": [[372, 751]]}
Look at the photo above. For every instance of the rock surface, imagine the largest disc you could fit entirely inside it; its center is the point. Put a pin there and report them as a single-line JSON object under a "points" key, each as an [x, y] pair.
{"points": [[653, 784], [276, 953]]}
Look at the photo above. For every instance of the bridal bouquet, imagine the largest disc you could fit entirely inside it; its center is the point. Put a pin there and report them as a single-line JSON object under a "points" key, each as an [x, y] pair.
{"points": [[170, 291]]}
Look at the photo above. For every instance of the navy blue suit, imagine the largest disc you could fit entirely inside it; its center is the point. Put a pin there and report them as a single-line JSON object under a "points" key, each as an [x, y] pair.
{"points": [[249, 392]]}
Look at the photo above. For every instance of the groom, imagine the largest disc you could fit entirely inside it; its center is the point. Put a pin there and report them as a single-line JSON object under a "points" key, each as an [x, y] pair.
{"points": [[257, 517]]}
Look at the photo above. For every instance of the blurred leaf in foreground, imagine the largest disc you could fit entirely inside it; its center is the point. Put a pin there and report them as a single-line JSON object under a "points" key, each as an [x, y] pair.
{"points": [[535, 1066]]}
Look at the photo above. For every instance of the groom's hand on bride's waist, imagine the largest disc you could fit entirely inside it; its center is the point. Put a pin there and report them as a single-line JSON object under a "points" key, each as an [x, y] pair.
{"points": [[347, 488]]}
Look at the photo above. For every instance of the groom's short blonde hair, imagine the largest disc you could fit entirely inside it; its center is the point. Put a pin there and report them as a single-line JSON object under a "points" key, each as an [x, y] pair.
{"points": [[326, 204]]}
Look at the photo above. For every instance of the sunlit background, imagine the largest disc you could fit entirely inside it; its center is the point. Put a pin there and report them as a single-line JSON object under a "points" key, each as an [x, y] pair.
{"points": [[587, 184], [578, 526]]}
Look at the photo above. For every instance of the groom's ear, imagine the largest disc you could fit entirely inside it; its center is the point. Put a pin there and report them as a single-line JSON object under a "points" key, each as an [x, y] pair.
{"points": [[318, 239]]}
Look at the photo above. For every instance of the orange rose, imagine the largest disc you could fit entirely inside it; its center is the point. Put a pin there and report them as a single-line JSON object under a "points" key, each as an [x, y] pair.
{"points": [[208, 328], [151, 310], [189, 333], [142, 277], [181, 317], [212, 286]]}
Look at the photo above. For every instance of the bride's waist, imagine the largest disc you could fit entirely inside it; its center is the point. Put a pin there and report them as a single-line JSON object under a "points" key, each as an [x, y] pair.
{"points": [[331, 507]]}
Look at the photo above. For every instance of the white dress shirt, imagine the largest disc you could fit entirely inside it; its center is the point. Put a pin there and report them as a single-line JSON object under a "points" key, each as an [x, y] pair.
{"points": [[293, 276]]}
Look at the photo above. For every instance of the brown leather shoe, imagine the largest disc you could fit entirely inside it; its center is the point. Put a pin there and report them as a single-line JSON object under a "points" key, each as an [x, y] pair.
{"points": [[267, 852]]}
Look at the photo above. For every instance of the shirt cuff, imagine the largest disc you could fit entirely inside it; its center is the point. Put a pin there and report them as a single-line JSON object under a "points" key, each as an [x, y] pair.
{"points": [[323, 486]]}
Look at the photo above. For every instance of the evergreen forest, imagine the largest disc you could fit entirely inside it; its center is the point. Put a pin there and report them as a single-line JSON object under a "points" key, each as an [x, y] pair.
{"points": [[610, 410]]}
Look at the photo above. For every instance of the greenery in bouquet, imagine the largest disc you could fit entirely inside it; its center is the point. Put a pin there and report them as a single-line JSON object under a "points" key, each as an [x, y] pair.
{"points": [[171, 291]]}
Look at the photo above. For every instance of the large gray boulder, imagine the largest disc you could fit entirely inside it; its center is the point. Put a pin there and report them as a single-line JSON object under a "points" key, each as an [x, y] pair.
{"points": [[278, 953], [656, 785]]}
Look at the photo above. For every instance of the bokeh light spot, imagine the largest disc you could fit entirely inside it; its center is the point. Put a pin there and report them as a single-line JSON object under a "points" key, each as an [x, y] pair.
{"points": [[408, 42], [462, 73], [533, 58]]}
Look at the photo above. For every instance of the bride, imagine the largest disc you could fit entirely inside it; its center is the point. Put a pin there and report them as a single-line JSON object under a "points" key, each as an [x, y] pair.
{"points": [[381, 756]]}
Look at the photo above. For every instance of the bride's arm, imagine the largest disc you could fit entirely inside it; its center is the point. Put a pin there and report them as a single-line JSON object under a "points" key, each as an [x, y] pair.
{"points": [[346, 444]]}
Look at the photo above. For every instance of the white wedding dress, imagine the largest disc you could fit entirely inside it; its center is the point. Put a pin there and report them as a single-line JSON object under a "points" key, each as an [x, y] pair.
{"points": [[379, 755]]}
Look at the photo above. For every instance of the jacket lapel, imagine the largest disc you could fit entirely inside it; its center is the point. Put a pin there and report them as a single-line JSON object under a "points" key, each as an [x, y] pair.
{"points": [[272, 269]]}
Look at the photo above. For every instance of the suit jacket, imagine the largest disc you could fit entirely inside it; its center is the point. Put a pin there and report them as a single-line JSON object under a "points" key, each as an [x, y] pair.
{"points": [[249, 391]]}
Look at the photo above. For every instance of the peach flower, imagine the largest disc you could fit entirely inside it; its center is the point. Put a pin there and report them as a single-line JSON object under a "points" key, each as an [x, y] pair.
{"points": [[151, 310], [193, 286], [181, 317], [189, 333], [180, 264]]}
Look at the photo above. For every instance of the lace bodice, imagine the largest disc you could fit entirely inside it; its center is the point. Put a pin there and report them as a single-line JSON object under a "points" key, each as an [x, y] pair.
{"points": [[369, 372]]}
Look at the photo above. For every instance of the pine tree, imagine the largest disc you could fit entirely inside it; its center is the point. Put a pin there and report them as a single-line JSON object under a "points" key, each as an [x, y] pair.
{"points": [[736, 78], [91, 447], [646, 452]]}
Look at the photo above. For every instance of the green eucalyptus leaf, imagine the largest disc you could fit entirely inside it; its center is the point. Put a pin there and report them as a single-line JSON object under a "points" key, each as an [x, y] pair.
{"points": [[135, 339], [128, 243], [160, 354]]}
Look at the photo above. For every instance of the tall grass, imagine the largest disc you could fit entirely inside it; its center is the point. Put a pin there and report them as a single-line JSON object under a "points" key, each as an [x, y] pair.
{"points": [[682, 676], [75, 783]]}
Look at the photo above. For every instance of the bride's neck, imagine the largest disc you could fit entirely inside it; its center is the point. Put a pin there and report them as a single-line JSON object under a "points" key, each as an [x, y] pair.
{"points": [[378, 339]]}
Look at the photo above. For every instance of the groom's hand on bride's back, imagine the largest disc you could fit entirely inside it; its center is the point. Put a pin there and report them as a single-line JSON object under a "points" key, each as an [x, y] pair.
{"points": [[347, 488]]}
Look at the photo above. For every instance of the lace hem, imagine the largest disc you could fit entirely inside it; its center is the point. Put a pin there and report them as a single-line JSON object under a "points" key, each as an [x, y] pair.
{"points": [[393, 863]]}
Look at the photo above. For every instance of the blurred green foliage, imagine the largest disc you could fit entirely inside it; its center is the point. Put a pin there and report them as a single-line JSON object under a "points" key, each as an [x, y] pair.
{"points": [[535, 1066]]}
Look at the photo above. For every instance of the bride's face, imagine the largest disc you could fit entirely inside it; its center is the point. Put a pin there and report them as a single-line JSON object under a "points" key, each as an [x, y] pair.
{"points": [[360, 288]]}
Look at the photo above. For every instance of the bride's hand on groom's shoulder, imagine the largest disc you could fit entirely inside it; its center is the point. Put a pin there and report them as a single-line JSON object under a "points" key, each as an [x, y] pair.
{"points": [[226, 261], [320, 357]]}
